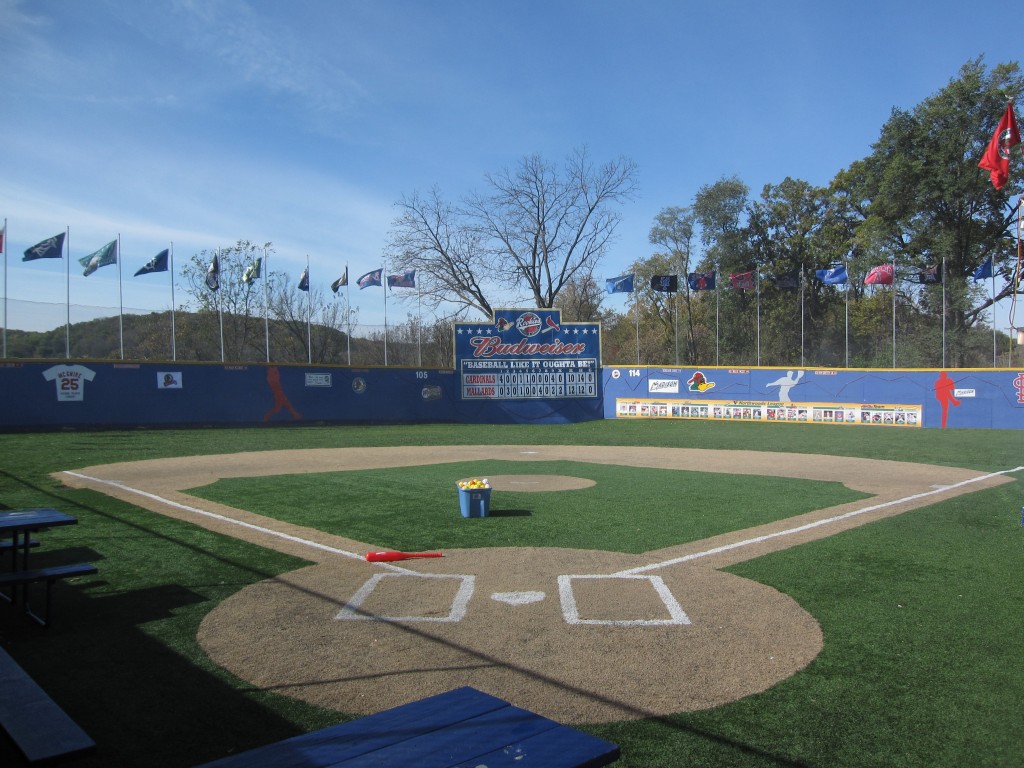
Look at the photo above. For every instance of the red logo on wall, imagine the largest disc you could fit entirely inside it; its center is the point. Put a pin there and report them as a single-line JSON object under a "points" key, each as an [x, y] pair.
{"points": [[1019, 384]]}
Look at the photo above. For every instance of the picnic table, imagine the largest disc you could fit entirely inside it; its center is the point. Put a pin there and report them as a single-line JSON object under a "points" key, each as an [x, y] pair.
{"points": [[19, 524], [463, 728]]}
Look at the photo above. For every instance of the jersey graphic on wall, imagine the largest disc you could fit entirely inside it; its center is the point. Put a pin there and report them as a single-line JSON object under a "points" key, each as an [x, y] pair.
{"points": [[70, 381]]}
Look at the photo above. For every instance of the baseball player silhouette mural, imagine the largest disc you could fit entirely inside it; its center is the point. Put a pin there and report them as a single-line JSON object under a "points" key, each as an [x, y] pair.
{"points": [[944, 391], [280, 398]]}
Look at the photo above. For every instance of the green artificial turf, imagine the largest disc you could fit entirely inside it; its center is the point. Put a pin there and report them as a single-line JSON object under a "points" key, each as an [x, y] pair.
{"points": [[921, 613], [628, 509]]}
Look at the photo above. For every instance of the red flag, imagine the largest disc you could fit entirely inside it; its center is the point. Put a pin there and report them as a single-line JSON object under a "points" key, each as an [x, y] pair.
{"points": [[996, 159], [880, 275], [742, 281]]}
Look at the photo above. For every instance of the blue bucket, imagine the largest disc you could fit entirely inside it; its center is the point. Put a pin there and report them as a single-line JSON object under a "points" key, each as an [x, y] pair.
{"points": [[475, 502]]}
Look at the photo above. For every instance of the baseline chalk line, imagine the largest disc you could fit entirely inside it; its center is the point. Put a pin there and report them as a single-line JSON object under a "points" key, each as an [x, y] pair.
{"points": [[233, 521], [809, 526]]}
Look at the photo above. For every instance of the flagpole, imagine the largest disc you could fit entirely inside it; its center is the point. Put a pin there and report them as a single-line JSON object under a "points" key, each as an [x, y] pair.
{"points": [[67, 296], [675, 305], [757, 276], [894, 313], [174, 349], [847, 292], [384, 286], [801, 314], [220, 315], [419, 329], [636, 316], [718, 277], [942, 279], [6, 249], [266, 300], [120, 294], [309, 310], [348, 315], [993, 294]]}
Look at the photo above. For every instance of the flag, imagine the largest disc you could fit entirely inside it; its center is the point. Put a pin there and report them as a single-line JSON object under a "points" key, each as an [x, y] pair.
{"points": [[213, 274], [343, 280], [621, 284], [833, 275], [53, 248], [984, 270], [996, 159], [406, 279], [3, 234], [254, 271], [791, 280], [370, 278], [701, 281], [742, 281], [665, 283], [883, 274], [101, 258], [157, 264], [930, 276], [304, 280]]}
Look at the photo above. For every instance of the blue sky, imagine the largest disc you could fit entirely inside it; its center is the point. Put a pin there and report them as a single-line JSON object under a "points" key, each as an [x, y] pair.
{"points": [[202, 122]]}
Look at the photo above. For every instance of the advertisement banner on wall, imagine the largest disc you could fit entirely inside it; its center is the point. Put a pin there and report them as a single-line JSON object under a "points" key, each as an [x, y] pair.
{"points": [[526, 354]]}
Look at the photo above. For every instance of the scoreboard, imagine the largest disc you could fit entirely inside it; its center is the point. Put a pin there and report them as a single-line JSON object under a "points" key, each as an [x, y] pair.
{"points": [[528, 354]]}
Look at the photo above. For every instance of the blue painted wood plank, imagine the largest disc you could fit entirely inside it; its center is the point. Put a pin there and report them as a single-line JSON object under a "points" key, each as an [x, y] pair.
{"points": [[459, 742], [562, 747], [332, 745]]}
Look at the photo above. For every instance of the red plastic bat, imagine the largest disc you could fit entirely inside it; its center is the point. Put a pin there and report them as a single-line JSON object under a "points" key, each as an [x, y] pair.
{"points": [[390, 557]]}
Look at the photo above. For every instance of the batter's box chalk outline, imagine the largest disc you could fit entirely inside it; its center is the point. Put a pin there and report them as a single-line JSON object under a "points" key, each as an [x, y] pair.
{"points": [[572, 614], [351, 610]]}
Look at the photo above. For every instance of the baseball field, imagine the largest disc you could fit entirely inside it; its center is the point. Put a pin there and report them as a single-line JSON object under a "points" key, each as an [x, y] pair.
{"points": [[699, 593]]}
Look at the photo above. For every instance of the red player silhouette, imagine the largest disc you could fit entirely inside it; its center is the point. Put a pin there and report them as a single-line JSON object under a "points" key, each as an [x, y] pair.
{"points": [[280, 399], [944, 394]]}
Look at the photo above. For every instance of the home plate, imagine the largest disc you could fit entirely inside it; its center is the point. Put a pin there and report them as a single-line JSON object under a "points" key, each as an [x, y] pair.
{"points": [[518, 598]]}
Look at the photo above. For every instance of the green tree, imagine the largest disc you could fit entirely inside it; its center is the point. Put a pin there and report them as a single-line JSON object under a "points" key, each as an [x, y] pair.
{"points": [[922, 195]]}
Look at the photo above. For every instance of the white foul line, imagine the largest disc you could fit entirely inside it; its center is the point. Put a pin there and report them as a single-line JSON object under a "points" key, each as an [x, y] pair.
{"points": [[233, 521], [809, 526]]}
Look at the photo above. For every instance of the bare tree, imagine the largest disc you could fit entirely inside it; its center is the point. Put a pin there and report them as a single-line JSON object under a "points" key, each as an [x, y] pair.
{"points": [[431, 237], [547, 225], [537, 228]]}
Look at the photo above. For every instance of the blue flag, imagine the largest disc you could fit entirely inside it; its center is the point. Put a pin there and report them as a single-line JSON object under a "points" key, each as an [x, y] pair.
{"points": [[833, 276], [52, 248], [157, 264], [983, 271], [405, 279], [701, 281], [101, 258], [370, 278], [622, 284], [304, 280]]}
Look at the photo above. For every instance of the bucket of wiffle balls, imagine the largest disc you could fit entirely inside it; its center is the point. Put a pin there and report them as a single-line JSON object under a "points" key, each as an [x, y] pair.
{"points": [[474, 497]]}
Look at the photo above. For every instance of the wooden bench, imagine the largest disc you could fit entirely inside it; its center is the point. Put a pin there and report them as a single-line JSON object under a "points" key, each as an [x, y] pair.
{"points": [[15, 579], [463, 727], [40, 729]]}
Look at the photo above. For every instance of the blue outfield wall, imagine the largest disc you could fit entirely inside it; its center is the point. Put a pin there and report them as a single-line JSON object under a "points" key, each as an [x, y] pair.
{"points": [[69, 394], [84, 394], [983, 398]]}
